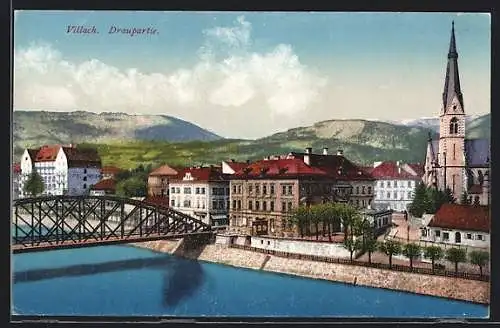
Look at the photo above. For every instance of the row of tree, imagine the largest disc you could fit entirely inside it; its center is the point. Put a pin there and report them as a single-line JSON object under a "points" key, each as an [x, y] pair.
{"points": [[413, 251], [330, 216]]}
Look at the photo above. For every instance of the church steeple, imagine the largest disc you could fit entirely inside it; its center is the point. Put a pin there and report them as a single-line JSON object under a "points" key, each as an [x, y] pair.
{"points": [[452, 80]]}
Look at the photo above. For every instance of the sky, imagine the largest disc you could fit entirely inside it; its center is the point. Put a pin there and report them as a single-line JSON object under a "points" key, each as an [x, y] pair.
{"points": [[249, 74]]}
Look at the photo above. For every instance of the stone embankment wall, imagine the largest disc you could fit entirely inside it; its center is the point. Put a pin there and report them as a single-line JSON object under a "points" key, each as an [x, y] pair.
{"points": [[300, 247], [454, 288]]}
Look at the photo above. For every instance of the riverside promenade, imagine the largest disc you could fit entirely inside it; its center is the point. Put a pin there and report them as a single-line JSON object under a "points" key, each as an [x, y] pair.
{"points": [[449, 287]]}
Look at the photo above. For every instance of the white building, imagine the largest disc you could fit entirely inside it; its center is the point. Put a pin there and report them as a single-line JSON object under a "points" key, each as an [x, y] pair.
{"points": [[459, 225], [395, 184], [65, 170], [201, 192], [379, 219]]}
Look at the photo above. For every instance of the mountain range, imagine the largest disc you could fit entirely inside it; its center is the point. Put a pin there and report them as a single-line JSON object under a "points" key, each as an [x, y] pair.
{"points": [[129, 140]]}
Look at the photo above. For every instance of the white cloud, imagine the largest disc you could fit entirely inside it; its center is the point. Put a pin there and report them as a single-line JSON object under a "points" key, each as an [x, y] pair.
{"points": [[243, 92]]}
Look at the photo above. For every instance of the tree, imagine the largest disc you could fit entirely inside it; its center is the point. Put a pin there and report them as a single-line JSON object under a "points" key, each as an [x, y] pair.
{"points": [[371, 245], [390, 248], [464, 199], [411, 251], [348, 216], [34, 186], [420, 203], [315, 217], [479, 258], [298, 217], [434, 253], [438, 198], [352, 245], [456, 255], [131, 187]]}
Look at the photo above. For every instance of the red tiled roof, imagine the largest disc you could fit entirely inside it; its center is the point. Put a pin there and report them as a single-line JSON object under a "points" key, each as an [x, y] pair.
{"points": [[105, 184], [390, 170], [32, 153], [16, 167], [110, 169], [47, 153], [462, 217], [476, 189], [205, 174], [418, 168], [329, 166], [157, 200], [164, 170], [236, 166]]}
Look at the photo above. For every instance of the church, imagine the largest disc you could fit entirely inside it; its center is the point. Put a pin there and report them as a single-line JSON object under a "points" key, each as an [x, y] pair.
{"points": [[452, 161]]}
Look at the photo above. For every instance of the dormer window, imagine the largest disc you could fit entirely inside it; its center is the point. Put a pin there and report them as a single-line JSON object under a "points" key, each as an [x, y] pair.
{"points": [[454, 126], [454, 107]]}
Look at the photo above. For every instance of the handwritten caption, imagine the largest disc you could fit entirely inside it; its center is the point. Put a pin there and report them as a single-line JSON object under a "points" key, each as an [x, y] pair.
{"points": [[132, 31]]}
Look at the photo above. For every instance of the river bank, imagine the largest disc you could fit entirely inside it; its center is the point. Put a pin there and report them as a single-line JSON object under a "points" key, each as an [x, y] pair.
{"points": [[448, 287]]}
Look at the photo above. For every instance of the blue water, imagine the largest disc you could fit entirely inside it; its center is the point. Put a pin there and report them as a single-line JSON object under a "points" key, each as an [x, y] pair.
{"points": [[121, 280]]}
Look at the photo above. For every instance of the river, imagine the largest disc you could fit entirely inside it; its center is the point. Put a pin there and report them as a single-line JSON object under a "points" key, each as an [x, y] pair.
{"points": [[123, 280]]}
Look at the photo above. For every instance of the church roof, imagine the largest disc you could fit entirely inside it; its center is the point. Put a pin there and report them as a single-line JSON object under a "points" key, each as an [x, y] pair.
{"points": [[477, 152]]}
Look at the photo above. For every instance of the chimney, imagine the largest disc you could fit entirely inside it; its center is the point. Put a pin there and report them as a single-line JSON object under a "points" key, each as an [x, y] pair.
{"points": [[307, 157], [248, 161], [340, 152], [308, 150], [325, 151], [232, 160]]}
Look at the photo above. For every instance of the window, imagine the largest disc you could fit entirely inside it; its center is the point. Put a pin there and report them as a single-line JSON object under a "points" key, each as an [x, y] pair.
{"points": [[479, 237], [264, 206], [381, 184], [84, 171], [283, 207], [388, 184], [454, 151], [187, 190], [178, 190], [257, 189], [84, 186], [437, 233], [409, 195], [239, 204], [289, 206], [234, 189], [388, 195], [283, 191], [234, 204], [369, 190], [395, 194], [363, 203], [409, 184], [264, 189], [454, 126], [357, 202], [357, 190], [187, 203], [271, 206], [395, 184], [250, 205], [446, 236], [469, 236], [290, 189], [84, 179], [424, 232], [257, 205], [363, 190], [271, 188], [203, 191], [250, 189], [197, 191], [369, 201], [214, 205]]}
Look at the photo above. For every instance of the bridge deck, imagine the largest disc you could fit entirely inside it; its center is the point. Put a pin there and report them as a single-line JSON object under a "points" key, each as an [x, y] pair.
{"points": [[44, 246]]}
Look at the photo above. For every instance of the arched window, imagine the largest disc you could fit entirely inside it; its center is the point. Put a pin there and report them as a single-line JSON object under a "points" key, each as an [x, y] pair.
{"points": [[454, 126]]}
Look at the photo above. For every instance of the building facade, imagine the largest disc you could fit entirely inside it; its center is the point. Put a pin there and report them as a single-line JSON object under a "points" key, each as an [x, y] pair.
{"points": [[395, 184], [459, 225], [452, 161], [201, 192], [264, 193], [65, 170], [158, 181], [104, 187]]}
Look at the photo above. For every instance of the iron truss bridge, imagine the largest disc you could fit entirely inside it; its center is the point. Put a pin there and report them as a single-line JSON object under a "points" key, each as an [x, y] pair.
{"points": [[53, 222]]}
